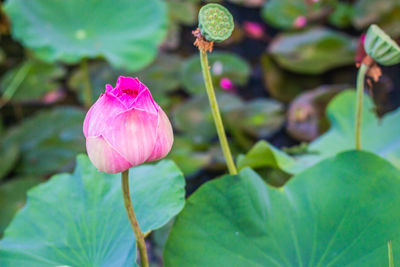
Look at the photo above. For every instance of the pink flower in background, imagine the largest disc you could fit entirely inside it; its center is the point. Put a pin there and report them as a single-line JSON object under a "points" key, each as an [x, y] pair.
{"points": [[253, 29], [226, 84], [125, 127], [360, 51], [53, 96], [300, 22]]}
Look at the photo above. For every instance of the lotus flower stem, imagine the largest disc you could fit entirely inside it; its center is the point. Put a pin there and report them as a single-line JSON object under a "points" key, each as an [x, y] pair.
{"points": [[390, 254], [216, 113], [132, 219], [359, 103], [87, 90]]}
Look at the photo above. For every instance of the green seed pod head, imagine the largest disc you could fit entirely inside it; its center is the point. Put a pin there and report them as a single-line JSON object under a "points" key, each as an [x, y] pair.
{"points": [[381, 47], [215, 22]]}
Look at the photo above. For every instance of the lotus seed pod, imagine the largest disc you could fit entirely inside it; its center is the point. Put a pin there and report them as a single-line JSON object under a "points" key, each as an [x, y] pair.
{"points": [[215, 22], [381, 47]]}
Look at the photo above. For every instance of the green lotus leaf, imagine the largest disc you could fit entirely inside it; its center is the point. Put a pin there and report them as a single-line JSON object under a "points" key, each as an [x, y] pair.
{"points": [[1, 125], [342, 15], [285, 85], [367, 12], [182, 12], [187, 157], [313, 51], [263, 154], [390, 22], [259, 118], [162, 77], [379, 136], [10, 153], [13, 196], [46, 145], [340, 212], [384, 13], [194, 117], [2, 56], [283, 13], [30, 81], [79, 219], [124, 32]]}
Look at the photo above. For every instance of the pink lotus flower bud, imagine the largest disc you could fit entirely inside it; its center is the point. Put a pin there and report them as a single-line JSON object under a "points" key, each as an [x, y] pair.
{"points": [[125, 128], [253, 29], [300, 22]]}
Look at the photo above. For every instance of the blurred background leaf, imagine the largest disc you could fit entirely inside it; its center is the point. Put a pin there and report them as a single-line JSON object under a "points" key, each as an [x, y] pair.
{"points": [[187, 157], [313, 51], [30, 81], [223, 65], [384, 13], [260, 118], [194, 116], [46, 144], [162, 77], [283, 13], [124, 32], [10, 153], [342, 15], [284, 85]]}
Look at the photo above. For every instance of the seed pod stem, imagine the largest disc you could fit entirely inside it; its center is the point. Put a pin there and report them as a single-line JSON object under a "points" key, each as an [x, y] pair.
{"points": [[216, 113], [359, 103], [215, 24]]}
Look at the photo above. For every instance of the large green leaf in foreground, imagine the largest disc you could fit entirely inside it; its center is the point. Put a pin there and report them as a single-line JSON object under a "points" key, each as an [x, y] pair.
{"points": [[80, 220], [125, 32], [378, 136], [341, 212]]}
